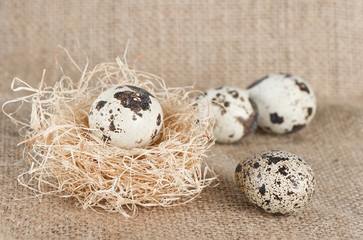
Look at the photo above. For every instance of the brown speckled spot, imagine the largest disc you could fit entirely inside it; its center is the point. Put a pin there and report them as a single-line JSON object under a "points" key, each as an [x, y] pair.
{"points": [[136, 101], [102, 129], [227, 104], [262, 189], [250, 124], [282, 170], [276, 119], [154, 134], [234, 93], [256, 165], [302, 86], [134, 117], [158, 120], [106, 138], [277, 197], [239, 168], [309, 112], [112, 126], [273, 159], [100, 105], [140, 91]]}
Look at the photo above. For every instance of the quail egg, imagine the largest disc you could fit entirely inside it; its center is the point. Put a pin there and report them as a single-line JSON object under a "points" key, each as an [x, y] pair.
{"points": [[276, 181], [233, 112], [126, 116], [286, 103]]}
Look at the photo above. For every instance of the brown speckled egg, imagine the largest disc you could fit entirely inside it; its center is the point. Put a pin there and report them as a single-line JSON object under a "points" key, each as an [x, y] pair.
{"points": [[286, 103], [276, 181], [234, 113], [126, 116]]}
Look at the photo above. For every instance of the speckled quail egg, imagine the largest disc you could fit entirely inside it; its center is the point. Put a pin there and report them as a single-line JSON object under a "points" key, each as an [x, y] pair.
{"points": [[276, 181], [126, 116], [233, 112], [286, 103]]}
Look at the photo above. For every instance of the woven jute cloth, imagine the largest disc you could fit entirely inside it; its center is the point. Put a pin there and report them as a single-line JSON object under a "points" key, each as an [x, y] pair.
{"points": [[208, 44]]}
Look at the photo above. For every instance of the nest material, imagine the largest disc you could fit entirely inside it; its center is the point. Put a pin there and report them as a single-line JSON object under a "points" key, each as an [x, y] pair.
{"points": [[67, 160]]}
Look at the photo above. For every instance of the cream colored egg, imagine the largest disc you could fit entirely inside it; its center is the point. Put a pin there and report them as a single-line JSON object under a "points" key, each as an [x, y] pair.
{"points": [[286, 103], [126, 116], [276, 181], [234, 114]]}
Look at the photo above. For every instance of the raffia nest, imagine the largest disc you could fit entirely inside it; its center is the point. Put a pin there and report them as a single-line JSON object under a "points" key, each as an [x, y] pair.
{"points": [[67, 160]]}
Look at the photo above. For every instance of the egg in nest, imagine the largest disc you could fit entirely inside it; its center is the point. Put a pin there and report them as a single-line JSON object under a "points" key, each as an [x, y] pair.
{"points": [[126, 116]]}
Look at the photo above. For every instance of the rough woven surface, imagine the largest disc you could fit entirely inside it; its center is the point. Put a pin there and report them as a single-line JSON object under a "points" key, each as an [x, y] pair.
{"points": [[209, 43]]}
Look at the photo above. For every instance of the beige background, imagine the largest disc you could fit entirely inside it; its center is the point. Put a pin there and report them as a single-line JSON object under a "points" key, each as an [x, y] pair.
{"points": [[206, 43]]}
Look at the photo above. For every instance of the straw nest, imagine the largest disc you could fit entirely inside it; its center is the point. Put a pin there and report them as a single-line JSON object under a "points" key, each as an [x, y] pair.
{"points": [[67, 160]]}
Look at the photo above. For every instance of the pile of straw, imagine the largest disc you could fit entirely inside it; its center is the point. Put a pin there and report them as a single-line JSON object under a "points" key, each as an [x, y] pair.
{"points": [[67, 160]]}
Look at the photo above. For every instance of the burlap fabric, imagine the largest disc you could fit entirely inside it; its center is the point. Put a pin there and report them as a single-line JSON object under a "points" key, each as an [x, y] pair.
{"points": [[206, 43]]}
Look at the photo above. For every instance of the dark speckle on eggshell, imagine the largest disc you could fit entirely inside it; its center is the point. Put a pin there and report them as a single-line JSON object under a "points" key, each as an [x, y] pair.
{"points": [[275, 118], [262, 189], [158, 120], [309, 112], [234, 93], [282, 170], [136, 101], [106, 138], [100, 105], [303, 87], [239, 168]]}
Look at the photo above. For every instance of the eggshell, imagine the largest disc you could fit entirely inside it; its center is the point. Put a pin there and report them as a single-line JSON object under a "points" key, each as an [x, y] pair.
{"points": [[276, 181], [286, 103], [126, 116], [234, 113]]}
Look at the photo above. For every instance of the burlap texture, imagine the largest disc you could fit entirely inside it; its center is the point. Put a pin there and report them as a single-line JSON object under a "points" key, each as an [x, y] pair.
{"points": [[209, 43]]}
